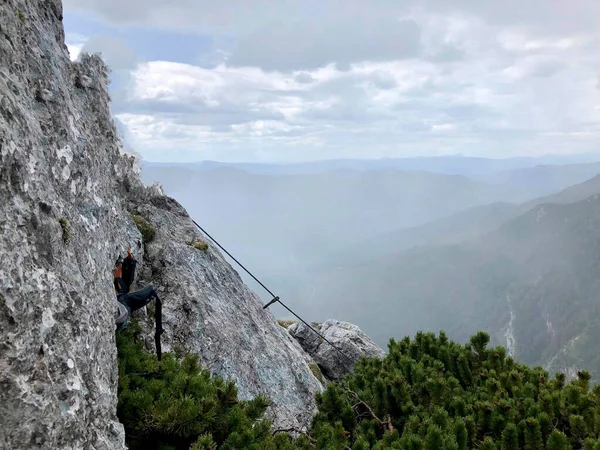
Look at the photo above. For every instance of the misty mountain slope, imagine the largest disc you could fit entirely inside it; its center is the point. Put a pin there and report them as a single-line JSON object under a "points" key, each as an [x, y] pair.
{"points": [[317, 219], [296, 219], [543, 266], [571, 194], [458, 227], [296, 231], [540, 180]]}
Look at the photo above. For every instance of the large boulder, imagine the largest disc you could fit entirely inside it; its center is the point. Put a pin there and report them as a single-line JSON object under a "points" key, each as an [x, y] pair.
{"points": [[351, 345]]}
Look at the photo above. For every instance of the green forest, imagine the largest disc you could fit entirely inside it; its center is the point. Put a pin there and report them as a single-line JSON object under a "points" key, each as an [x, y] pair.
{"points": [[428, 393]]}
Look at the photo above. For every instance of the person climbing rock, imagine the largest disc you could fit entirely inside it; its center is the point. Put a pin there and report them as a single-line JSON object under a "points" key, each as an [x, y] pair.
{"points": [[128, 302]]}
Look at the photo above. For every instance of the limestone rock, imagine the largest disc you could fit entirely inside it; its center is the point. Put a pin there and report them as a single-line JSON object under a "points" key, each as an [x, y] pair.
{"points": [[207, 310], [67, 191], [60, 221], [347, 337]]}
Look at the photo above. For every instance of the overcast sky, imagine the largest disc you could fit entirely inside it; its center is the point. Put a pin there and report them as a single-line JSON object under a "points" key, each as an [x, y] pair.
{"points": [[293, 80]]}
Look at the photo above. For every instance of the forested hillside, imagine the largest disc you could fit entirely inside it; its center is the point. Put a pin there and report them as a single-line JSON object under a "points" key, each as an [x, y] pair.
{"points": [[533, 284]]}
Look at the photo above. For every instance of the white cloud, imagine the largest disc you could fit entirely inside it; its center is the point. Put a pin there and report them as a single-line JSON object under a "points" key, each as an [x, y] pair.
{"points": [[388, 78], [74, 51], [75, 43], [443, 128], [395, 104]]}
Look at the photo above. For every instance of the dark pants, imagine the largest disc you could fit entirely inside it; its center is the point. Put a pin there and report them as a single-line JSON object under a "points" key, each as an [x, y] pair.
{"points": [[138, 299]]}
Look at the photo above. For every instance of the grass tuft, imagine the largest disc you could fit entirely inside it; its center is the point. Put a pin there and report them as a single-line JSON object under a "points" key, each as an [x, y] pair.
{"points": [[286, 323], [200, 245], [316, 372], [146, 228], [66, 229]]}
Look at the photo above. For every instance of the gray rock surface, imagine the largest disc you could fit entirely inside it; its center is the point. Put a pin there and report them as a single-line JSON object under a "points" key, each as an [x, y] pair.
{"points": [[207, 310], [347, 337], [67, 190], [59, 162]]}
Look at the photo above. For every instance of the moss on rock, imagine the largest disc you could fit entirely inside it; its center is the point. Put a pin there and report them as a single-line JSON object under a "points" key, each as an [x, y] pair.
{"points": [[66, 229], [316, 372], [200, 245], [146, 228]]}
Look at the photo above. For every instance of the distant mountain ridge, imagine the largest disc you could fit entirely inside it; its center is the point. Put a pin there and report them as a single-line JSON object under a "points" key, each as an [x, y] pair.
{"points": [[450, 164], [468, 224]]}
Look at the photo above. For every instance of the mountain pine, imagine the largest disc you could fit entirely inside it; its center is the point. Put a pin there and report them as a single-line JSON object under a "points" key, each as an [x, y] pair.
{"points": [[427, 394], [174, 404], [435, 393]]}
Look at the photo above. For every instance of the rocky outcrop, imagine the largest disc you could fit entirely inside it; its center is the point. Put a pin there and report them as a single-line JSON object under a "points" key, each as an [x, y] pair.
{"points": [[207, 310], [347, 337], [67, 192], [61, 217]]}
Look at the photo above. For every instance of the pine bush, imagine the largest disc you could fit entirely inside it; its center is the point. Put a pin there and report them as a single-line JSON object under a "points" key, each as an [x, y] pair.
{"points": [[427, 394], [174, 404], [437, 394]]}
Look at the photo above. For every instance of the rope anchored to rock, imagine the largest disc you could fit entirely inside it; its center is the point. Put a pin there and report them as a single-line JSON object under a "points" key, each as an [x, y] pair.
{"points": [[276, 298]]}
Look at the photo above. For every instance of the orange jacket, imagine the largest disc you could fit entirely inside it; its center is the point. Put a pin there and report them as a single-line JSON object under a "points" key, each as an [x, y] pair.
{"points": [[119, 284]]}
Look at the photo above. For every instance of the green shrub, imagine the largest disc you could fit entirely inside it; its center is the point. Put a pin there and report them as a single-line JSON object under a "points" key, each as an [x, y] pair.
{"points": [[21, 16], [175, 404], [146, 228], [66, 229], [431, 393], [427, 393], [316, 372], [200, 245]]}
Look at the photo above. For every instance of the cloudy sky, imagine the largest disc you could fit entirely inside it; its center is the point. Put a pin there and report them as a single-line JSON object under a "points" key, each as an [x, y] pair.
{"points": [[294, 80]]}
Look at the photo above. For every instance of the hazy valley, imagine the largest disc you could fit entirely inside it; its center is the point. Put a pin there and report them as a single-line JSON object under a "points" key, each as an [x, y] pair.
{"points": [[512, 252]]}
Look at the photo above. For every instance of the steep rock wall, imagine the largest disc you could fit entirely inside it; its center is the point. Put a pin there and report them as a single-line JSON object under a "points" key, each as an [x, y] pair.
{"points": [[60, 167], [67, 192], [207, 310]]}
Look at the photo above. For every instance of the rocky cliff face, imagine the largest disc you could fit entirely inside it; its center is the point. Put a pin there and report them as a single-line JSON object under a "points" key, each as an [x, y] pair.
{"points": [[60, 168], [67, 192], [207, 310]]}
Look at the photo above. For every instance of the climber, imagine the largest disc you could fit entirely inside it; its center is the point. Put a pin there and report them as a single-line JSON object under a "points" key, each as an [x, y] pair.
{"points": [[128, 302]]}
